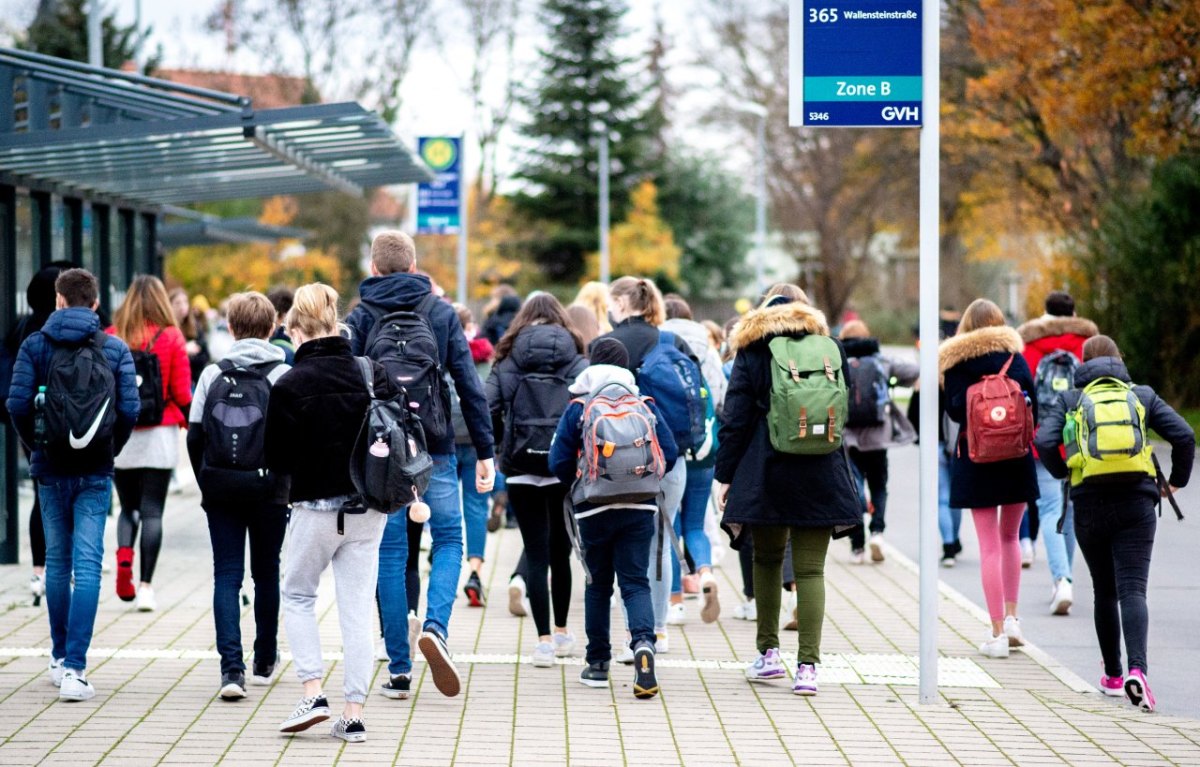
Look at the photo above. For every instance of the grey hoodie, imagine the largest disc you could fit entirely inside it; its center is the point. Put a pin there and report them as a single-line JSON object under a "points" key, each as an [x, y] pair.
{"points": [[246, 352]]}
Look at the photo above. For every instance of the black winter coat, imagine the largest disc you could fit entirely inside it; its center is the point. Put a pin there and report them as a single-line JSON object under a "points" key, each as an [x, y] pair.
{"points": [[639, 338], [963, 360], [767, 487], [496, 324], [314, 416]]}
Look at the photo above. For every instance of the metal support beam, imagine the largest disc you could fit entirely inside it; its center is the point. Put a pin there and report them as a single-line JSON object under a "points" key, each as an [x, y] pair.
{"points": [[43, 247], [127, 232], [297, 158], [10, 530], [102, 252], [73, 208], [151, 260]]}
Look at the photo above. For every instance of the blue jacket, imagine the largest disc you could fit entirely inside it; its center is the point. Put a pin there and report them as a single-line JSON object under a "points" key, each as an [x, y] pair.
{"points": [[403, 291], [71, 326]]}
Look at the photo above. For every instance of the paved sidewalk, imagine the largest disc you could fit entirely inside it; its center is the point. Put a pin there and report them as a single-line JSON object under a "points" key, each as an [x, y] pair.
{"points": [[156, 675]]}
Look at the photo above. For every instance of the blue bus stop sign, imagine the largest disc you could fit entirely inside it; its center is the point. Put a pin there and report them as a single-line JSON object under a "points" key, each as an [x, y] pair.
{"points": [[855, 63]]}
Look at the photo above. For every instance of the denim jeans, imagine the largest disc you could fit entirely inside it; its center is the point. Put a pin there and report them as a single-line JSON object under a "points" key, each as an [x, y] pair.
{"points": [[474, 503], [1060, 548], [949, 520], [689, 523], [616, 543], [228, 529], [445, 524], [74, 511]]}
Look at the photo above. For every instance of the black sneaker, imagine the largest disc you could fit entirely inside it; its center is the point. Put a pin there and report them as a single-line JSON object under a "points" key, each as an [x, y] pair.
{"points": [[437, 655], [595, 674], [474, 591], [397, 687], [263, 673], [233, 685], [645, 684], [349, 730], [310, 711]]}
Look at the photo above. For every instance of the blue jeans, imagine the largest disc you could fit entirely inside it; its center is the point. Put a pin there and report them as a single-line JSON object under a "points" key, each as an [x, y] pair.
{"points": [[689, 523], [228, 529], [949, 520], [616, 543], [74, 511], [445, 524], [1060, 547], [474, 503]]}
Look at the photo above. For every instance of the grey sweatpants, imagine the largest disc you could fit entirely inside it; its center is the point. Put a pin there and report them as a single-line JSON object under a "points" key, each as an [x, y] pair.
{"points": [[313, 542]]}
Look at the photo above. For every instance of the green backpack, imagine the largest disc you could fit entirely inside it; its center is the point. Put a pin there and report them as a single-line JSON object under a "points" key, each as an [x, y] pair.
{"points": [[809, 398], [1105, 434]]}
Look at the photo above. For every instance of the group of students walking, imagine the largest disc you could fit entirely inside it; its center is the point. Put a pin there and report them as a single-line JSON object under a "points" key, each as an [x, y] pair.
{"points": [[618, 427]]}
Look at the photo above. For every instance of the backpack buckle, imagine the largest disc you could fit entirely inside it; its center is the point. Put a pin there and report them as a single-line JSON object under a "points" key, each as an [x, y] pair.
{"points": [[803, 422], [829, 370], [795, 371]]}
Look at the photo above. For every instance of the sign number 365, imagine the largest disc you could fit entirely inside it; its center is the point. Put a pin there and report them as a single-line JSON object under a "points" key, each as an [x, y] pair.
{"points": [[822, 15]]}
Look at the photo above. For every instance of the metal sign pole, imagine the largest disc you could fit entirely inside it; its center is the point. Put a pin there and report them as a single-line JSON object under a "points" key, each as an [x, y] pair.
{"points": [[463, 190], [605, 256]]}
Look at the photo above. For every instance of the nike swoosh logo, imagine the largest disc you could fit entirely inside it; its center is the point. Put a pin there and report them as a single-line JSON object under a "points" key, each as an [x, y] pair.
{"points": [[79, 443]]}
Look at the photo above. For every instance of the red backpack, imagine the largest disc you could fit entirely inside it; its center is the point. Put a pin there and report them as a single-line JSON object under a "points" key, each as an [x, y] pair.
{"points": [[999, 419]]}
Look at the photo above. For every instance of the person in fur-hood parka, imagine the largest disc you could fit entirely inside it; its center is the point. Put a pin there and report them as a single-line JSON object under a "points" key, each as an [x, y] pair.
{"points": [[1057, 329]]}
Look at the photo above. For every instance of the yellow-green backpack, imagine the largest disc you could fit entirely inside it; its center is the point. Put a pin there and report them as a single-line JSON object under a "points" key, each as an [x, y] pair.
{"points": [[1105, 434]]}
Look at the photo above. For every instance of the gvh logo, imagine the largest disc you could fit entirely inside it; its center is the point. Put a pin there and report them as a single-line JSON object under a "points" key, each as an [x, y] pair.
{"points": [[901, 114]]}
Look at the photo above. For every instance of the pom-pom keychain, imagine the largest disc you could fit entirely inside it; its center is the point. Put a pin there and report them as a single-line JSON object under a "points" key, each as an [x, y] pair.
{"points": [[418, 511]]}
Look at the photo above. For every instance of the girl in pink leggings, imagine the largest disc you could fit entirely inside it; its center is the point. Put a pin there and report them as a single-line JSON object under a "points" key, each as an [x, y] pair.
{"points": [[998, 492]]}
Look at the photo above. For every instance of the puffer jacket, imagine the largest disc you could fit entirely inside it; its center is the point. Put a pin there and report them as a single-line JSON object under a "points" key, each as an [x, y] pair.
{"points": [[1048, 334], [176, 370], [768, 487], [696, 337], [897, 430]]}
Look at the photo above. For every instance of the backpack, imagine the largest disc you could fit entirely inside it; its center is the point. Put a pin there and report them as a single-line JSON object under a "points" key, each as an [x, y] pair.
{"points": [[80, 401], [620, 459], [869, 397], [673, 380], [233, 469], [999, 419], [537, 405], [1106, 434], [809, 399], [1055, 374], [149, 383], [704, 455], [404, 343], [390, 465]]}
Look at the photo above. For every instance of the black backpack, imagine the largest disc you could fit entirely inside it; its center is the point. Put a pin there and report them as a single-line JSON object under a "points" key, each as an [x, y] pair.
{"points": [[233, 470], [868, 391], [80, 408], [390, 465], [149, 383], [404, 343], [538, 403]]}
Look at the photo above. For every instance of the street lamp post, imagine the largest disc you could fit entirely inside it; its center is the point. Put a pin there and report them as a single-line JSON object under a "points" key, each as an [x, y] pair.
{"points": [[760, 207], [604, 215]]}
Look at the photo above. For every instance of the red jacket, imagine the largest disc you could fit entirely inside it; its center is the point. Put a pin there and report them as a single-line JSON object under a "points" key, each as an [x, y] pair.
{"points": [[171, 350], [1048, 334]]}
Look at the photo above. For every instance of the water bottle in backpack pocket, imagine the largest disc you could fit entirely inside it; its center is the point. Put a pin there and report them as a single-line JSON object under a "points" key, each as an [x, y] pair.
{"points": [[404, 343], [390, 464], [149, 383], [233, 469], [673, 380]]}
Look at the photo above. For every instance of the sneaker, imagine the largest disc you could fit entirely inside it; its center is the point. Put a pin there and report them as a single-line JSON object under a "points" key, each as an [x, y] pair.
{"points": [[233, 686], [1112, 686], [645, 683], [875, 544], [349, 730], [474, 591], [806, 680], [746, 611], [711, 609], [543, 655], [690, 584], [595, 675], [499, 510], [996, 647], [1012, 630], [145, 600], [516, 596], [37, 588], [858, 557], [381, 652], [766, 667], [676, 614], [397, 688], [564, 644], [74, 687], [125, 588], [414, 631], [437, 655], [308, 712], [262, 673], [55, 671], [1137, 689], [1026, 553], [1061, 597], [625, 657], [794, 623], [662, 642]]}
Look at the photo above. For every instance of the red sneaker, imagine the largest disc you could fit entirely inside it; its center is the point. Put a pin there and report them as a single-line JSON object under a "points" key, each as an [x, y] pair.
{"points": [[125, 588]]}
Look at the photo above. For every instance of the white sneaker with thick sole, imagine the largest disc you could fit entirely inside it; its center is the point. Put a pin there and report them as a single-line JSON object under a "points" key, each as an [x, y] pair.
{"points": [[710, 611], [1012, 630], [875, 546], [1062, 597], [676, 614], [381, 652], [626, 657], [564, 644], [146, 603], [746, 611], [1026, 553], [996, 647], [75, 688], [516, 597], [55, 671], [662, 643], [543, 655]]}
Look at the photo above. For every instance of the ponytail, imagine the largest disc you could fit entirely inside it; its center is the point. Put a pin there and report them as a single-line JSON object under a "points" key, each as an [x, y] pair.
{"points": [[642, 297]]}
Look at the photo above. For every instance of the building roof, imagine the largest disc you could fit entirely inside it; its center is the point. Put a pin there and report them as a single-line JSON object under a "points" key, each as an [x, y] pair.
{"points": [[266, 91]]}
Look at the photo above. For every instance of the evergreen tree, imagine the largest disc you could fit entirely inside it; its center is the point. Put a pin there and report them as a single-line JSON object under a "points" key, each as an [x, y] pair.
{"points": [[584, 85], [61, 29]]}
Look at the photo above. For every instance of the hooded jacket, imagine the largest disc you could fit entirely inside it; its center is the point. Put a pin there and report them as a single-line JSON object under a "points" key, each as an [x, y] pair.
{"points": [[962, 361], [1049, 333], [404, 290], [1160, 417], [72, 326], [897, 430], [768, 487], [696, 337], [536, 349], [496, 324]]}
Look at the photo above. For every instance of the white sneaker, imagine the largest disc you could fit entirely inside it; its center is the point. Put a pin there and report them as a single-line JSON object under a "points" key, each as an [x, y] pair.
{"points": [[996, 647], [662, 643], [711, 607], [875, 545], [746, 611], [788, 605], [543, 655], [625, 656], [858, 557], [37, 588], [75, 687], [414, 631], [1012, 630], [145, 600], [55, 671], [676, 614], [381, 652], [1026, 553], [516, 596], [564, 644], [1061, 598]]}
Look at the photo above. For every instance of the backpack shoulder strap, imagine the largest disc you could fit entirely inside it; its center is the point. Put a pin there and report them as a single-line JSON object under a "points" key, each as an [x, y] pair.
{"points": [[99, 338], [1008, 363], [150, 346], [666, 338], [368, 374], [226, 365], [425, 305]]}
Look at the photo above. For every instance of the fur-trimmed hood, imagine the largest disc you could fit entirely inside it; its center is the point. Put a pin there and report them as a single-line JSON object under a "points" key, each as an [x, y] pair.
{"points": [[977, 343], [1048, 326], [778, 320]]}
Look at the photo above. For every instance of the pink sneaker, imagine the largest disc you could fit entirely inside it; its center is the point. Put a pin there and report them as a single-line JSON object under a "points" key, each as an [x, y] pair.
{"points": [[806, 680], [1112, 686], [1137, 689]]}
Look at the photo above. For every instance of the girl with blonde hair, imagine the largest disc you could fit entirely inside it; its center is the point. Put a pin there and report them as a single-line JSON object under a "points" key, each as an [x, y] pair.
{"points": [[593, 296]]}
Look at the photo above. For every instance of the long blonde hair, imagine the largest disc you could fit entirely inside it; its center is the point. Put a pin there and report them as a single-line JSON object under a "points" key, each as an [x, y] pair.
{"points": [[982, 313], [642, 297], [146, 303], [314, 311], [593, 296]]}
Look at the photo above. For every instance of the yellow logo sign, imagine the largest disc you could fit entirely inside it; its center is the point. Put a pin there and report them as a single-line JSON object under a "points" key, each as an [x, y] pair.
{"points": [[439, 153]]}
